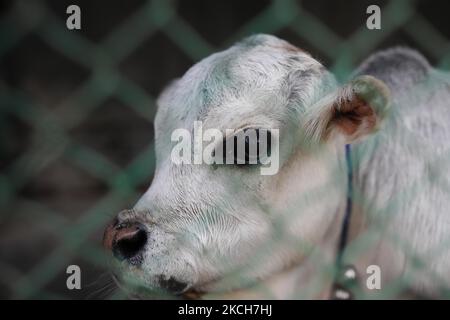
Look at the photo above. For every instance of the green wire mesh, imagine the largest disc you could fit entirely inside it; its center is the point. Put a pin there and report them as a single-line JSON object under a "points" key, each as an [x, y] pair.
{"points": [[76, 238]]}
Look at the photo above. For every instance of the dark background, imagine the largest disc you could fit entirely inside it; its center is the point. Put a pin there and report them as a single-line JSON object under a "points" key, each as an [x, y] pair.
{"points": [[61, 179]]}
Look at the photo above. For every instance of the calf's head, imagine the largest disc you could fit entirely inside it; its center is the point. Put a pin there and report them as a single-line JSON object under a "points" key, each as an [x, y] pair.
{"points": [[219, 227]]}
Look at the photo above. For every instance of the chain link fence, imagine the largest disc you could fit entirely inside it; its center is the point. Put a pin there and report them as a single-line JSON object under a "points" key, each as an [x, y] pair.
{"points": [[77, 108]]}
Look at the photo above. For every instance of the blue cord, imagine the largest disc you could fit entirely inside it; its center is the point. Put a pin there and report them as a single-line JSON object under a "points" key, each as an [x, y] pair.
{"points": [[348, 209]]}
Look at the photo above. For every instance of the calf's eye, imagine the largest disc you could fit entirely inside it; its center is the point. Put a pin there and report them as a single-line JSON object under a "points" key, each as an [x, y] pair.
{"points": [[247, 147]]}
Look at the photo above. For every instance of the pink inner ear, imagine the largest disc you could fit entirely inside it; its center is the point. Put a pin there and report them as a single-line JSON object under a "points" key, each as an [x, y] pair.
{"points": [[350, 115]]}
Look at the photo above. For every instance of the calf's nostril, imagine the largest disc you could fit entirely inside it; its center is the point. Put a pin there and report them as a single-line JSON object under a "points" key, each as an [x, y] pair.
{"points": [[128, 241]]}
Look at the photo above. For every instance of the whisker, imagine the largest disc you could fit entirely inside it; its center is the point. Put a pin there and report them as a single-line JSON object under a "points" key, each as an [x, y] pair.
{"points": [[102, 287]]}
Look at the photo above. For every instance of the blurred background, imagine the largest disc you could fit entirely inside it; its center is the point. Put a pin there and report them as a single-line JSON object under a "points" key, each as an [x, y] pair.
{"points": [[77, 107]]}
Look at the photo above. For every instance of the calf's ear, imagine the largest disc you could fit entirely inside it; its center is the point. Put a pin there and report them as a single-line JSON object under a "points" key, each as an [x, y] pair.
{"points": [[349, 113]]}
